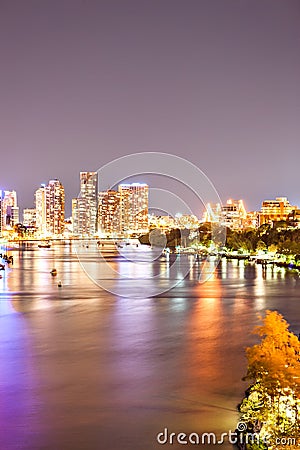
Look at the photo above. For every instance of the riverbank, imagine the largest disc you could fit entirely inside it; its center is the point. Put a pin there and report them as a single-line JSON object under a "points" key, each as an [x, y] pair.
{"points": [[265, 260], [69, 355]]}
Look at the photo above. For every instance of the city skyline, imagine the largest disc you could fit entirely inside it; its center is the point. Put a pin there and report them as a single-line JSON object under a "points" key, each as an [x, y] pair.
{"points": [[126, 209], [215, 83], [69, 200]]}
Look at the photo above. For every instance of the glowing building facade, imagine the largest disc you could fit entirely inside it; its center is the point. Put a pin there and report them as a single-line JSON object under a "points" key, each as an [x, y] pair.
{"points": [[55, 207], [40, 207], [232, 215], [294, 218], [134, 207], [50, 209], [29, 217], [275, 210], [10, 210], [109, 222], [84, 208]]}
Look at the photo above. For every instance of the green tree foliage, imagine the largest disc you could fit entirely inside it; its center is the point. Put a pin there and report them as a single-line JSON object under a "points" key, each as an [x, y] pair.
{"points": [[286, 241]]}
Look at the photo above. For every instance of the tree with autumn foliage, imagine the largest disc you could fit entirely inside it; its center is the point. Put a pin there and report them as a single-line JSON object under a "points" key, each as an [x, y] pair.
{"points": [[273, 400]]}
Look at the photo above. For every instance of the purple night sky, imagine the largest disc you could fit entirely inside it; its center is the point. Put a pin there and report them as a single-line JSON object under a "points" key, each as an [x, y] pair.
{"points": [[214, 81]]}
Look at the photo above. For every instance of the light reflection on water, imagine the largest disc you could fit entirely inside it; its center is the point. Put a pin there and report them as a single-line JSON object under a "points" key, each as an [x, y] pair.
{"points": [[83, 369]]}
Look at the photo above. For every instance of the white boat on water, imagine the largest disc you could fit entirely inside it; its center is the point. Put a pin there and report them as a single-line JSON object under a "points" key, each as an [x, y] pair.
{"points": [[45, 244], [116, 246], [130, 249]]}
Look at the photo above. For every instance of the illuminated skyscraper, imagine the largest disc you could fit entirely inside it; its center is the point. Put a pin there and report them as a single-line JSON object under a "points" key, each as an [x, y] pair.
{"points": [[40, 207], [79, 217], [50, 208], [14, 216], [75, 215], [84, 208], [55, 207], [10, 210], [29, 217], [109, 212], [134, 207]]}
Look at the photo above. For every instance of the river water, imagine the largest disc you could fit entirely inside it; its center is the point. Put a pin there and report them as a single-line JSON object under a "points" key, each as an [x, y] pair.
{"points": [[84, 369]]}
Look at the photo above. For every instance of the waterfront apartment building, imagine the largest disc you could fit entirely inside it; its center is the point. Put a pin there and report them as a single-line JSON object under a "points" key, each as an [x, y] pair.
{"points": [[275, 210], [29, 217], [294, 218], [50, 208], [109, 212], [134, 207], [252, 219], [84, 208], [55, 207], [79, 217], [232, 215], [14, 215], [40, 208], [10, 210], [75, 215]]}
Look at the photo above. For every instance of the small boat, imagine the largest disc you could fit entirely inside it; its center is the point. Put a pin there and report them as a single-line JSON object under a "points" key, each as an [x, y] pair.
{"points": [[44, 245], [53, 272]]}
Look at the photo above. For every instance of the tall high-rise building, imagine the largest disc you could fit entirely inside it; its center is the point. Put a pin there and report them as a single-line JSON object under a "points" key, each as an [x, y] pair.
{"points": [[14, 216], [84, 208], [79, 217], [55, 207], [29, 217], [75, 215], [40, 208], [10, 211], [50, 208], [109, 212], [134, 207]]}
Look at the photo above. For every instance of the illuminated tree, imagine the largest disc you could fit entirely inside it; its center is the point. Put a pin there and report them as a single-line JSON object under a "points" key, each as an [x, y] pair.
{"points": [[272, 248], [274, 367], [261, 245]]}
